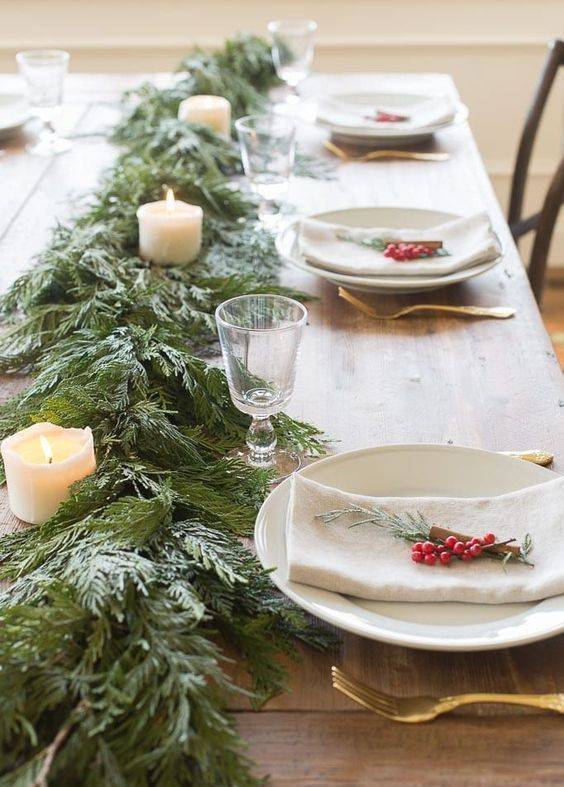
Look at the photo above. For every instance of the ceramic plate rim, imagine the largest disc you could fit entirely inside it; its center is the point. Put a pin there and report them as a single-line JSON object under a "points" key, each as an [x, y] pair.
{"points": [[388, 283], [334, 608]]}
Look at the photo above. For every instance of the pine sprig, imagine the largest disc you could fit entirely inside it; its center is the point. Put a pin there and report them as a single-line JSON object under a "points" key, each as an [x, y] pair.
{"points": [[415, 527], [111, 667], [410, 527]]}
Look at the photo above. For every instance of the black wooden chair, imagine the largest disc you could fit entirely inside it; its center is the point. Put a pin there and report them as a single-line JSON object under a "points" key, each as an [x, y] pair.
{"points": [[544, 221]]}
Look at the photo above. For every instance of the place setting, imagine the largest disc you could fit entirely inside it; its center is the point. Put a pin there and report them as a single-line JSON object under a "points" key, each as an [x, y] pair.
{"points": [[390, 543], [391, 250], [387, 118]]}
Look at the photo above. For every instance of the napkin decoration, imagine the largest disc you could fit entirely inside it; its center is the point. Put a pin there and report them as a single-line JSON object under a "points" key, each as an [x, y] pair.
{"points": [[440, 544], [355, 251], [429, 113], [371, 562]]}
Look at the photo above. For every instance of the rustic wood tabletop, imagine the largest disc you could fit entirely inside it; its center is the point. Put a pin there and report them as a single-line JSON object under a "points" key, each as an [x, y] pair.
{"points": [[493, 384]]}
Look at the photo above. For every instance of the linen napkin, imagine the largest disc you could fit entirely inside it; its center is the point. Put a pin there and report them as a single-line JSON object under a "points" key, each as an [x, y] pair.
{"points": [[469, 241], [432, 112], [367, 562]]}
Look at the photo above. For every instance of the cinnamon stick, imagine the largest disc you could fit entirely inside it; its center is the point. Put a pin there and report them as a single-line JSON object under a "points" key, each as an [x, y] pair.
{"points": [[430, 244], [442, 533]]}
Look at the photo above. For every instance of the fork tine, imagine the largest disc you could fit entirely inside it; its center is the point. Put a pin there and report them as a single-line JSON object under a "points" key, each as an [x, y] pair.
{"points": [[360, 695], [374, 695], [374, 701], [360, 701]]}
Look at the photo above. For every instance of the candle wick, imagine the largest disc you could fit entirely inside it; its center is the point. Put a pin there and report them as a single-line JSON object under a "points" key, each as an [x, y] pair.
{"points": [[50, 460]]}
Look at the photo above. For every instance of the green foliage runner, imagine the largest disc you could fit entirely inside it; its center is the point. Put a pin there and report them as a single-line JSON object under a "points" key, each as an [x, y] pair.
{"points": [[111, 630]]}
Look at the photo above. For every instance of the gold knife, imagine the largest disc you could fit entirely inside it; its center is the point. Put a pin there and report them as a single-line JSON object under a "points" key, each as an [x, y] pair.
{"points": [[542, 458]]}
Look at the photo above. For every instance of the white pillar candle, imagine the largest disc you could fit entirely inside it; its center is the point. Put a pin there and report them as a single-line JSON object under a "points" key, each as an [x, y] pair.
{"points": [[170, 231], [211, 111], [41, 463]]}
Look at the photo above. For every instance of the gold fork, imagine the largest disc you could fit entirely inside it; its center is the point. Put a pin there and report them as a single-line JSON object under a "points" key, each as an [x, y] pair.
{"points": [[415, 709], [376, 154], [499, 312]]}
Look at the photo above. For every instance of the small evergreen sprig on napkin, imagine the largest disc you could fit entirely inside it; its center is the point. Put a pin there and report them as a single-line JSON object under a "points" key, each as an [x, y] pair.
{"points": [[431, 542], [398, 250]]}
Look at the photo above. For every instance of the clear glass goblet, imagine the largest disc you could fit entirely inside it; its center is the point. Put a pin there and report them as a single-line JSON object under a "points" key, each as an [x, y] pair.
{"points": [[44, 72], [268, 147], [260, 337], [292, 51]]}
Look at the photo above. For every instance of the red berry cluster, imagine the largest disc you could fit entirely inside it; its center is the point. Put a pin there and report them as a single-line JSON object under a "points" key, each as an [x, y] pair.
{"points": [[389, 117], [407, 251], [429, 553]]}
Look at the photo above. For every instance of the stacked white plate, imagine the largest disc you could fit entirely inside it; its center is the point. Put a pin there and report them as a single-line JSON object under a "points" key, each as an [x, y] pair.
{"points": [[414, 470], [337, 114], [287, 245]]}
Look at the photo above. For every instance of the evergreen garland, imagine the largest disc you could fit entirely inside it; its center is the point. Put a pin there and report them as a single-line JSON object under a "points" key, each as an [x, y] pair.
{"points": [[111, 665]]}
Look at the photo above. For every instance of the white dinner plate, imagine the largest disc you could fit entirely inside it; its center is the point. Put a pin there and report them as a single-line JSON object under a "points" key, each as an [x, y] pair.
{"points": [[396, 218], [13, 114], [387, 133], [414, 470]]}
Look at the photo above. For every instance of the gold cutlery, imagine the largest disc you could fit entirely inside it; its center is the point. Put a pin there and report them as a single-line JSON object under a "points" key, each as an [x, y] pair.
{"points": [[542, 458], [376, 154], [498, 312], [416, 709]]}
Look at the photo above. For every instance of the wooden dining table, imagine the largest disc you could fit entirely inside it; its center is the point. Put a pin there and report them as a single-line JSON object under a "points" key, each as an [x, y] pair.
{"points": [[493, 384]]}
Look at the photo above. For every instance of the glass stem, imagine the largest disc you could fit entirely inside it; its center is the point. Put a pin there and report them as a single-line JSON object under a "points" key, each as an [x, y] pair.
{"points": [[293, 95], [261, 441], [47, 131]]}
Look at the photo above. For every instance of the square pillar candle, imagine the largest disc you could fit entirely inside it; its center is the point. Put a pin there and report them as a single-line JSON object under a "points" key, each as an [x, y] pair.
{"points": [[211, 111], [170, 231], [41, 463]]}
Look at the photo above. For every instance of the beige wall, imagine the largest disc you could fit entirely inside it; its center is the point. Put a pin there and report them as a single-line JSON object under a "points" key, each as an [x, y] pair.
{"points": [[493, 48]]}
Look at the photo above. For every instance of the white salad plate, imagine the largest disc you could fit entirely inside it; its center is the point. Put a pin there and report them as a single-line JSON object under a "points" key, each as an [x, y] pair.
{"points": [[414, 470], [13, 114], [388, 133], [287, 246]]}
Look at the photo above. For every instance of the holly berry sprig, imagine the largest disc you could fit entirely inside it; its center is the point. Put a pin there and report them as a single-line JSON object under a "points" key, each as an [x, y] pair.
{"points": [[400, 251], [387, 117], [433, 544], [430, 553]]}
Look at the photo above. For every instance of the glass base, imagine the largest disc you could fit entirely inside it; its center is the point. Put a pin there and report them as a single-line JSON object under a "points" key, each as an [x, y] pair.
{"points": [[50, 146], [284, 464], [270, 221], [293, 98], [276, 216]]}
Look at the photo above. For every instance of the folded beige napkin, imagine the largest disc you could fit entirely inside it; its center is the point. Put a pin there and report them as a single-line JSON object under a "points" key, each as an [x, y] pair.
{"points": [[469, 241], [366, 561], [432, 112]]}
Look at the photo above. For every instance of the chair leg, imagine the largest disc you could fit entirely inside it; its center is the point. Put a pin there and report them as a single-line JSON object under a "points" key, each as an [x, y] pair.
{"points": [[545, 228]]}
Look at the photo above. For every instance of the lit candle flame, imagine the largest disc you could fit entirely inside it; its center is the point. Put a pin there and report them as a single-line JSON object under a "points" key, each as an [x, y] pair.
{"points": [[46, 449], [170, 203]]}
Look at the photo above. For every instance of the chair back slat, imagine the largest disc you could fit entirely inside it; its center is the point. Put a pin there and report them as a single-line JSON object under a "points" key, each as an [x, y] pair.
{"points": [[545, 228], [554, 60]]}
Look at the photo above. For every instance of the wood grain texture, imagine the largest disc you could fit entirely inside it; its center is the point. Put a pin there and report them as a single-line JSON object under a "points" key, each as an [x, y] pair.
{"points": [[491, 384], [361, 750]]}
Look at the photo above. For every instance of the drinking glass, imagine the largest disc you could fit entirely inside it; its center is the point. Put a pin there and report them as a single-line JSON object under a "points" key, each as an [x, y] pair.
{"points": [[44, 71], [268, 146], [292, 51], [260, 338]]}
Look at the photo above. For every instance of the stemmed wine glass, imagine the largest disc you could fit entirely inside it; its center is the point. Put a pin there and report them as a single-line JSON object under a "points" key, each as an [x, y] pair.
{"points": [[292, 51], [268, 146], [260, 338], [44, 71]]}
